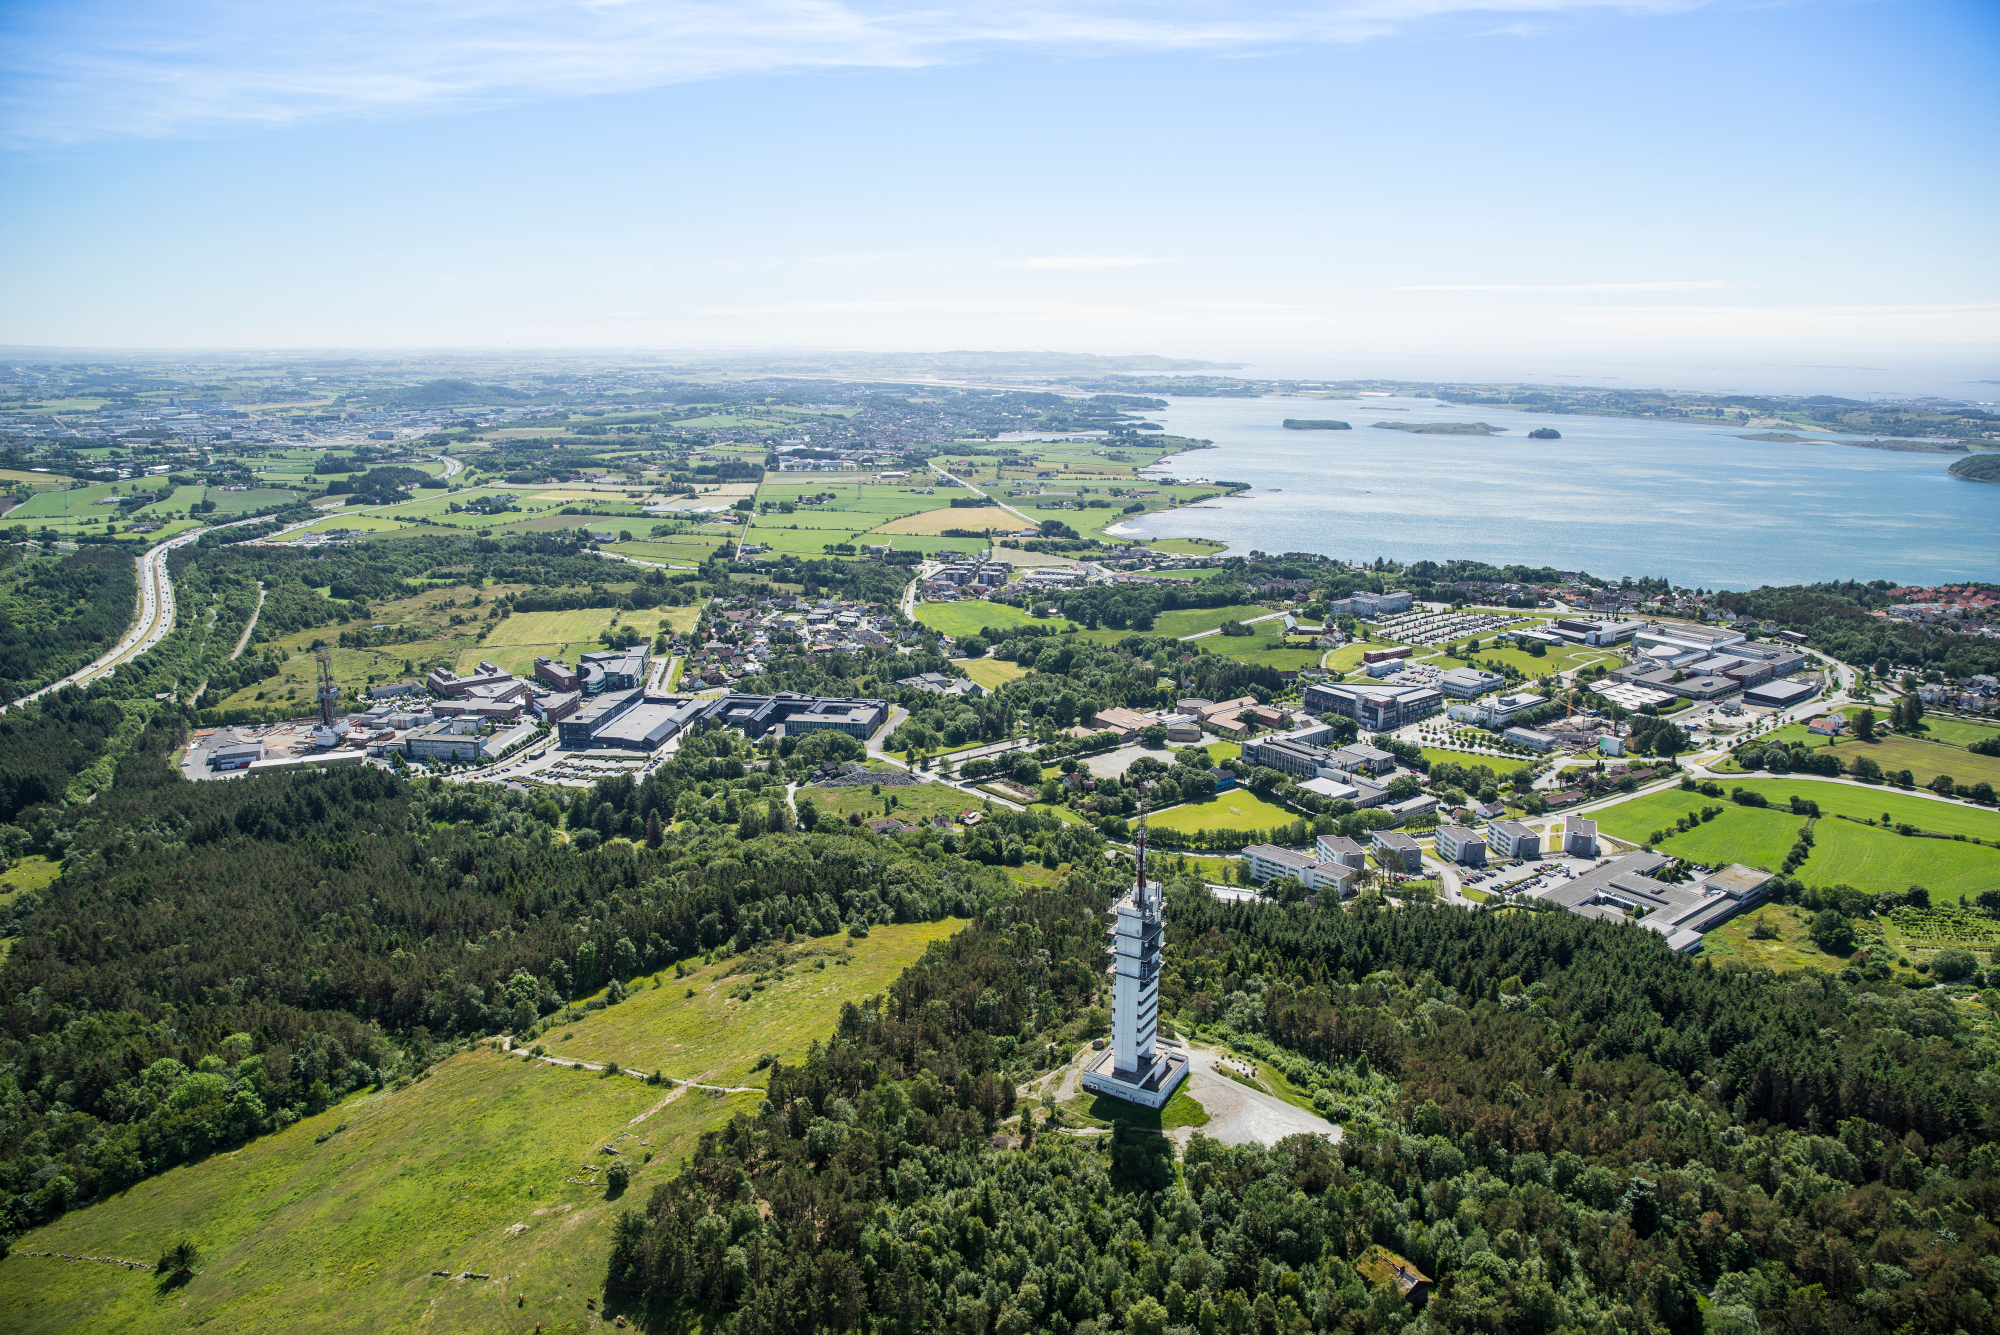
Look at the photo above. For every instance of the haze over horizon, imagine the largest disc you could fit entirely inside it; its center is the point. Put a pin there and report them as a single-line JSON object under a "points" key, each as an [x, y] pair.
{"points": [[1794, 196]]}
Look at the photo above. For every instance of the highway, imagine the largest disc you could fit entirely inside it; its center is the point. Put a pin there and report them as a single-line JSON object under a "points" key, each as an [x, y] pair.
{"points": [[154, 622]]}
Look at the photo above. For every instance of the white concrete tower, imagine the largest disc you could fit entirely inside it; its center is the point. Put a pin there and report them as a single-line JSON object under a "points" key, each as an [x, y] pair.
{"points": [[1136, 941]]}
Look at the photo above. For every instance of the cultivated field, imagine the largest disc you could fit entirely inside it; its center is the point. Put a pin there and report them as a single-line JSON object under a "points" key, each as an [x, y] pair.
{"points": [[932, 523]]}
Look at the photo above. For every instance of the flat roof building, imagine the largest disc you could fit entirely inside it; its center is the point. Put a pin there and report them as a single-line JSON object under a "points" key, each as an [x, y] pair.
{"points": [[1465, 682], [797, 715], [1779, 694], [1269, 862], [1624, 890], [1457, 844], [1397, 852], [1374, 708], [1511, 839]]}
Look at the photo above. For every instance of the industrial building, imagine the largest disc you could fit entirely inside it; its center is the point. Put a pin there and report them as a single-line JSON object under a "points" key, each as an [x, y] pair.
{"points": [[1779, 694], [628, 720]]}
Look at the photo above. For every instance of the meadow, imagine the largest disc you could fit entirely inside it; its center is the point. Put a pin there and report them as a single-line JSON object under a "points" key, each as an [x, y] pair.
{"points": [[959, 620], [1195, 620], [913, 804], [933, 523], [704, 1028], [992, 673], [1924, 759], [336, 1223]]}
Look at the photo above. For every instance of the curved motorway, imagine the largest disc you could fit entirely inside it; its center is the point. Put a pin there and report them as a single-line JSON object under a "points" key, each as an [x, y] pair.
{"points": [[153, 624]]}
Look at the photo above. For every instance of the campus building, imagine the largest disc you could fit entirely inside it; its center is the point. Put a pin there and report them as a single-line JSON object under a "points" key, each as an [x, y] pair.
{"points": [[1624, 891], [1457, 844], [789, 715], [1269, 862], [1374, 708]]}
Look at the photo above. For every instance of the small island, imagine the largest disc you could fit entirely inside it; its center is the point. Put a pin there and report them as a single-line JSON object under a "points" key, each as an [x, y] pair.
{"points": [[1545, 433], [1315, 424], [1442, 428], [1978, 468]]}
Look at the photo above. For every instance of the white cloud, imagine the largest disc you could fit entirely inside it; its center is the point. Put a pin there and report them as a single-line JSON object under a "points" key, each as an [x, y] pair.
{"points": [[1090, 261], [1676, 285], [113, 69]]}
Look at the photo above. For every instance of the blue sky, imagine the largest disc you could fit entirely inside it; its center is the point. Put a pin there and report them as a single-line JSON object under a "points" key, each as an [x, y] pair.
{"points": [[1401, 182]]}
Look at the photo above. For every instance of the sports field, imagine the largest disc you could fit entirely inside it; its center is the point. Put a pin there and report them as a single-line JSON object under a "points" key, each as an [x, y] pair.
{"points": [[1233, 810]]}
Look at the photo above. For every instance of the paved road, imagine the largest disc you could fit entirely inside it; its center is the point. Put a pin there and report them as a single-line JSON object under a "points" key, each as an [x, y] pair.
{"points": [[154, 621], [452, 467]]}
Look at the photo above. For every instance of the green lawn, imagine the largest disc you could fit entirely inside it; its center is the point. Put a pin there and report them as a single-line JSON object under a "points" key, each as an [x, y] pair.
{"points": [[992, 673], [343, 1235], [1873, 803], [1498, 764], [1237, 809], [1194, 620], [713, 1038], [961, 619]]}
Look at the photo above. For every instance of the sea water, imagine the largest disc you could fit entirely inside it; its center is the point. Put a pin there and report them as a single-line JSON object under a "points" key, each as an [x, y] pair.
{"points": [[1615, 496]]}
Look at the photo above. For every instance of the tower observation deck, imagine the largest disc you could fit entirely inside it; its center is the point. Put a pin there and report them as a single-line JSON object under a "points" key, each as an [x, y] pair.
{"points": [[1132, 1067]]}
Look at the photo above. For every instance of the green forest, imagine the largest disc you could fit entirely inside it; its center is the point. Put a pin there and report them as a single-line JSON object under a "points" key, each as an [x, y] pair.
{"points": [[1566, 1126]]}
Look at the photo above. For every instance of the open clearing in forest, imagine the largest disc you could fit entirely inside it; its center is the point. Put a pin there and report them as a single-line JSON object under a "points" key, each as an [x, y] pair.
{"points": [[717, 1035], [343, 1234]]}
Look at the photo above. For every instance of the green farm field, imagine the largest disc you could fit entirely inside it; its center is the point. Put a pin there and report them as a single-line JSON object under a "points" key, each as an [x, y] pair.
{"points": [[1924, 759], [336, 1223], [714, 1038]]}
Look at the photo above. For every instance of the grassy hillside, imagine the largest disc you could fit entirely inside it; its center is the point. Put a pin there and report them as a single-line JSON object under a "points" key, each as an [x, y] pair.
{"points": [[718, 1034], [463, 1171], [338, 1222]]}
